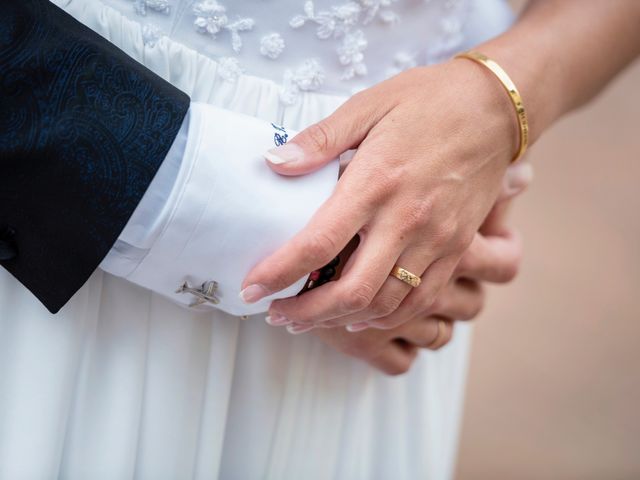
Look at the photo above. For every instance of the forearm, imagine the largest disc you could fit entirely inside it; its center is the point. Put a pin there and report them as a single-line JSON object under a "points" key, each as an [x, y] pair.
{"points": [[561, 53]]}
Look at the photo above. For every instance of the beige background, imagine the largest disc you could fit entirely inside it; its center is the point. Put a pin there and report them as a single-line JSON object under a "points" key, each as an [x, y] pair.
{"points": [[554, 389]]}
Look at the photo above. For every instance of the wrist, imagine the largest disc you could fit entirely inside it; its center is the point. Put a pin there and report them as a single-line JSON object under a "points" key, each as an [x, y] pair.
{"points": [[488, 108]]}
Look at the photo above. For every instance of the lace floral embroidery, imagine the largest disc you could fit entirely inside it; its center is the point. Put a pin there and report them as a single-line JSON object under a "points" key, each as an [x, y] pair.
{"points": [[211, 19], [161, 6], [350, 54], [339, 22], [343, 25], [151, 34], [451, 31], [272, 45], [379, 8], [330, 23], [229, 69], [307, 77]]}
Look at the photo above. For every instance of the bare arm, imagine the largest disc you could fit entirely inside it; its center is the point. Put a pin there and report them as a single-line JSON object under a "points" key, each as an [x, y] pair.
{"points": [[561, 53]]}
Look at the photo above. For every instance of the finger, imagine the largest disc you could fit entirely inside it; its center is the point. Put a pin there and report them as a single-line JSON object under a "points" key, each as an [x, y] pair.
{"points": [[461, 299], [419, 331], [434, 280], [395, 359], [492, 259], [516, 180], [365, 273], [392, 294], [326, 140], [326, 234]]}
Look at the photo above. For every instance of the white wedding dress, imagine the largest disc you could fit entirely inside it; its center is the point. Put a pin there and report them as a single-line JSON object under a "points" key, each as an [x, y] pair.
{"points": [[123, 384]]}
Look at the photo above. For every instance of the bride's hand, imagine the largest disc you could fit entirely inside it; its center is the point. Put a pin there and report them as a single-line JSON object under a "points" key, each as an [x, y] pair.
{"points": [[394, 350], [433, 144], [494, 256]]}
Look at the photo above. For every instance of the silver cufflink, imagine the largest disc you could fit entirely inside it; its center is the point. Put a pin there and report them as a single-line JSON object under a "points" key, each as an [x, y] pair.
{"points": [[204, 294]]}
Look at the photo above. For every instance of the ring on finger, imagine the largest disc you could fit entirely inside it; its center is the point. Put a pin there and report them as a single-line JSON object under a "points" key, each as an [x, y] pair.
{"points": [[441, 337], [405, 276]]}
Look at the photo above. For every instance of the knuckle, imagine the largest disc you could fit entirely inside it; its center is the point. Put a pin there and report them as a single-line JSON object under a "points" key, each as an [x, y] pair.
{"points": [[320, 136], [444, 234], [358, 298], [418, 214], [321, 248], [383, 183]]}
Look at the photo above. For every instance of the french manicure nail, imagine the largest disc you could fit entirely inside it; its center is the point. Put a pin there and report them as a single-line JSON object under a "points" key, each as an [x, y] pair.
{"points": [[253, 293], [357, 327], [277, 320], [287, 153], [297, 328]]}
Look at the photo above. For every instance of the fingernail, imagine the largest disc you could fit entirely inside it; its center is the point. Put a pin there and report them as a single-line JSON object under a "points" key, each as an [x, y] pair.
{"points": [[253, 293], [277, 320], [296, 328], [519, 176], [358, 326], [287, 153]]}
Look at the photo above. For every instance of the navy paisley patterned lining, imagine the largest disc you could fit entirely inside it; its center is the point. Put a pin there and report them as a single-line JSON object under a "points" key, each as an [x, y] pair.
{"points": [[83, 130]]}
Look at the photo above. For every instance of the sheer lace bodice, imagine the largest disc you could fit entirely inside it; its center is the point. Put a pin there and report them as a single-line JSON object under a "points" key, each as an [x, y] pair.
{"points": [[335, 46]]}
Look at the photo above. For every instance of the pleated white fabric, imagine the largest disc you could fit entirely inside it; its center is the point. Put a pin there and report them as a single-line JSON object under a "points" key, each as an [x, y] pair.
{"points": [[122, 384]]}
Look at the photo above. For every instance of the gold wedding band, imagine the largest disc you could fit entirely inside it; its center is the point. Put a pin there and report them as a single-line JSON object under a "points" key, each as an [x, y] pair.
{"points": [[442, 335], [405, 276]]}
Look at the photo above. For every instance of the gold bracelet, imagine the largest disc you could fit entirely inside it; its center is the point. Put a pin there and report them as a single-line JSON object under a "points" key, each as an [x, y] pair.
{"points": [[511, 89]]}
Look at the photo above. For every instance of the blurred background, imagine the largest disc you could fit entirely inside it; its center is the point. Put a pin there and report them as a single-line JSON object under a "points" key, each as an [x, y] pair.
{"points": [[554, 382]]}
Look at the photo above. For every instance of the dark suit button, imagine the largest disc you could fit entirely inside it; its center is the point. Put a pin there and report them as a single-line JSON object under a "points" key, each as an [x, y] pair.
{"points": [[8, 249]]}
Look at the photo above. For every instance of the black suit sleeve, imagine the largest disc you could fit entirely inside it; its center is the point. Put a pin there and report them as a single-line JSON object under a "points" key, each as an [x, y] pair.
{"points": [[83, 130]]}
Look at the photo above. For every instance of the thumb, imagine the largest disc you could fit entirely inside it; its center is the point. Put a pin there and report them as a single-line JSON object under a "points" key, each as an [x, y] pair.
{"points": [[324, 141], [516, 180]]}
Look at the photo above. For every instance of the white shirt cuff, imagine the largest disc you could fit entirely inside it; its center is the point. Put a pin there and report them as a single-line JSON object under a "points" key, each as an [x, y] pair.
{"points": [[225, 211]]}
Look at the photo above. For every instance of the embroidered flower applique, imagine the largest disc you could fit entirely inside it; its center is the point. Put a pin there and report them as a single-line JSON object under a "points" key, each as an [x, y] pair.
{"points": [[350, 54], [307, 77], [229, 69], [330, 23], [378, 8], [162, 6], [211, 19], [340, 21], [272, 45], [151, 34], [451, 28]]}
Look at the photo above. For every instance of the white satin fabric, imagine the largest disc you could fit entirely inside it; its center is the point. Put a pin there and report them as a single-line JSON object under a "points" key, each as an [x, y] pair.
{"points": [[124, 384]]}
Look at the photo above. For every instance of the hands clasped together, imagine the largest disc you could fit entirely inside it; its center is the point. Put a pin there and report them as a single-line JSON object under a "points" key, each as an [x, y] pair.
{"points": [[421, 192]]}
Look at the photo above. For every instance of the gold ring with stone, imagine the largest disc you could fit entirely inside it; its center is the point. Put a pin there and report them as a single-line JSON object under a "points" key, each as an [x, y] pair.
{"points": [[406, 276]]}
